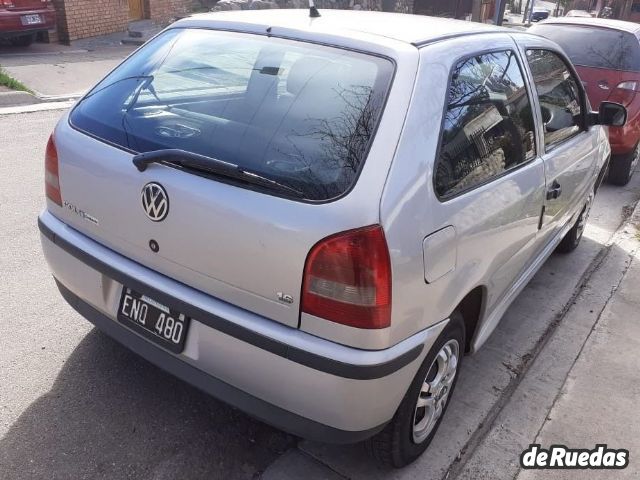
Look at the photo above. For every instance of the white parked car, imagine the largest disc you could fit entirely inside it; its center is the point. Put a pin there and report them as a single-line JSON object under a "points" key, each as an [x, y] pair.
{"points": [[578, 13], [314, 219]]}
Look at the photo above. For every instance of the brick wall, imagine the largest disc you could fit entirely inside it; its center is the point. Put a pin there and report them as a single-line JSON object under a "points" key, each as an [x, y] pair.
{"points": [[163, 11], [88, 18]]}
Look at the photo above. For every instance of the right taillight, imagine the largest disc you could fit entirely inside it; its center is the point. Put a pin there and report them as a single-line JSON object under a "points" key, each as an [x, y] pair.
{"points": [[347, 279], [51, 176], [6, 4], [624, 93]]}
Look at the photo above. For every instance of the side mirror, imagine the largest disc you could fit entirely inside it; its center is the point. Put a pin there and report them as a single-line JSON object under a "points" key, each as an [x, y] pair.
{"points": [[612, 114]]}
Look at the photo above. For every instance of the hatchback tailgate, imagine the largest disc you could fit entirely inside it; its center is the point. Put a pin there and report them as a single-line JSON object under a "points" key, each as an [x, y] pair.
{"points": [[243, 247]]}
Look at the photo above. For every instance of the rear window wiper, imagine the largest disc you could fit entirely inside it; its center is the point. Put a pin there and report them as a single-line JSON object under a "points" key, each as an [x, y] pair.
{"points": [[213, 166]]}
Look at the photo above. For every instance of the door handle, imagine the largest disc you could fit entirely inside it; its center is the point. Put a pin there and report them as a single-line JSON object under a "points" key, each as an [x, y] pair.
{"points": [[554, 191]]}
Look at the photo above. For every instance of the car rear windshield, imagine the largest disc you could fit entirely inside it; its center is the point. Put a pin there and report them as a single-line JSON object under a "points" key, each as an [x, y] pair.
{"points": [[300, 114], [595, 47]]}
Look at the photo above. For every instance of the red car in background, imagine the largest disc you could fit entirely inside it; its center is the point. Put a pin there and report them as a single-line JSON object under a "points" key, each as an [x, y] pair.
{"points": [[606, 54], [21, 20]]}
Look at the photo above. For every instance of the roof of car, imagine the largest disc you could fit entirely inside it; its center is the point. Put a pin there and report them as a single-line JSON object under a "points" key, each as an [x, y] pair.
{"points": [[596, 22], [413, 29]]}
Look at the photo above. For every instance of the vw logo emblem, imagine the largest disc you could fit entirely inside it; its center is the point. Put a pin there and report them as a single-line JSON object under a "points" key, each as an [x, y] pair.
{"points": [[155, 201]]}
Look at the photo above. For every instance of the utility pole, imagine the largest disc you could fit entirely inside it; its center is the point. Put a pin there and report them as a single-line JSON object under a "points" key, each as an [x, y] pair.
{"points": [[476, 8], [500, 8], [524, 12], [526, 15]]}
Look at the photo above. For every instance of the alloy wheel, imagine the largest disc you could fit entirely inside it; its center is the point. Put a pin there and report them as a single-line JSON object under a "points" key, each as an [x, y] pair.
{"points": [[435, 390], [582, 220]]}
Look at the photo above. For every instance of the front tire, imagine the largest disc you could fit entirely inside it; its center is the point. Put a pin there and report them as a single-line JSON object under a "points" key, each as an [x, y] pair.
{"points": [[418, 417], [622, 167], [572, 239]]}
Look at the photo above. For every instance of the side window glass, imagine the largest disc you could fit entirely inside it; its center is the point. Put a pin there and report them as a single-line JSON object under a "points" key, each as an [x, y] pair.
{"points": [[559, 95], [488, 124]]}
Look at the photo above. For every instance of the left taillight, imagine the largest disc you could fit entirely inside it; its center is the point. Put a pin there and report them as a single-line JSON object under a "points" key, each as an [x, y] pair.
{"points": [[347, 279], [51, 174]]}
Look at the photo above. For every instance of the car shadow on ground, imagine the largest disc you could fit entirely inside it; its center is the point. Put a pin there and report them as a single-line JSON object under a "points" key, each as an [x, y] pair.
{"points": [[111, 414]]}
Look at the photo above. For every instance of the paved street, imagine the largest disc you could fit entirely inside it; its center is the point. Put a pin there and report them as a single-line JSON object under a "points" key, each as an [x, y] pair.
{"points": [[58, 70], [74, 404]]}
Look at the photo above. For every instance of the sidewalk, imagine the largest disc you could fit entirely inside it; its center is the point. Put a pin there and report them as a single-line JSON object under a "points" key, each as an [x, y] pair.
{"points": [[63, 72], [54, 72], [599, 401], [584, 387]]}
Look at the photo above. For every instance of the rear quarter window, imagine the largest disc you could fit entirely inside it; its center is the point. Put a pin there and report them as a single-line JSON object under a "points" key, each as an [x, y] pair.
{"points": [[595, 47], [303, 115]]}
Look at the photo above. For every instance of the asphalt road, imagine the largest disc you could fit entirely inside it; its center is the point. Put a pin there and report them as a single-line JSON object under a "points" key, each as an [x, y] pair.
{"points": [[73, 403]]}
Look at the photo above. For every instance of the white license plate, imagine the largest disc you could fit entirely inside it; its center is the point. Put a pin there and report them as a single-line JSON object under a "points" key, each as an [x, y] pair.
{"points": [[31, 19]]}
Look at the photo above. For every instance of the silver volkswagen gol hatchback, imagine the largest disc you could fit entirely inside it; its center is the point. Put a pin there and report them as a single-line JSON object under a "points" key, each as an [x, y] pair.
{"points": [[314, 219]]}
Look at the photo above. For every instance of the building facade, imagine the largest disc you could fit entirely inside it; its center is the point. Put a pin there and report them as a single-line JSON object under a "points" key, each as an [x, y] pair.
{"points": [[486, 11], [87, 18]]}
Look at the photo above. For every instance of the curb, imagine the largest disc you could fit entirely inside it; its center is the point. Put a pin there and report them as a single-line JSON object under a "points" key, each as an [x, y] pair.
{"points": [[133, 41], [37, 107], [20, 100], [16, 98]]}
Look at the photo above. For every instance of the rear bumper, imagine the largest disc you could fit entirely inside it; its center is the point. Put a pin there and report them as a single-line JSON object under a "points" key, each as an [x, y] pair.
{"points": [[11, 22], [285, 377]]}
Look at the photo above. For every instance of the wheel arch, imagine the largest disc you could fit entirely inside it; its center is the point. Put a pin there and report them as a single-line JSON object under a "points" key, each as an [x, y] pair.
{"points": [[471, 308]]}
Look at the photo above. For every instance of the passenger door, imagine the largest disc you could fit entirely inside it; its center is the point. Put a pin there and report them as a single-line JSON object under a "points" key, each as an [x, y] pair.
{"points": [[569, 147], [488, 175]]}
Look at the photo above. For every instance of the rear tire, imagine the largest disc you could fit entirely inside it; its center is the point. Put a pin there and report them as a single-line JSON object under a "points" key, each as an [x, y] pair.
{"points": [[418, 417], [23, 40], [572, 239], [622, 167]]}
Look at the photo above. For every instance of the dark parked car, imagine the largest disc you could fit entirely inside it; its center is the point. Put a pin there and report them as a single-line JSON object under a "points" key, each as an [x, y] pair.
{"points": [[606, 54], [539, 15], [21, 20]]}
